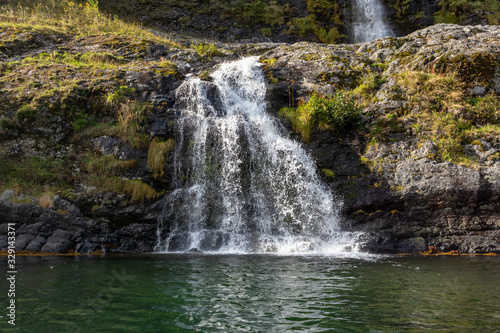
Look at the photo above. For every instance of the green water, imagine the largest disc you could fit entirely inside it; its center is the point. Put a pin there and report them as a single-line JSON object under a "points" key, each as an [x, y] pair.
{"points": [[184, 293]]}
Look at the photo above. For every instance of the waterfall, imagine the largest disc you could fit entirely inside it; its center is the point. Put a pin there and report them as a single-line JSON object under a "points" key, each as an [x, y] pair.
{"points": [[242, 186], [369, 22]]}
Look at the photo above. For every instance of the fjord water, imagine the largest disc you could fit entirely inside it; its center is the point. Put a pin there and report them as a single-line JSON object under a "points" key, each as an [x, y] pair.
{"points": [[255, 293], [242, 186], [368, 21]]}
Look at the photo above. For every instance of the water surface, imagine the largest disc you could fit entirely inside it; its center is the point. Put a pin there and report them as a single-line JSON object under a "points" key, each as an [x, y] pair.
{"points": [[255, 293]]}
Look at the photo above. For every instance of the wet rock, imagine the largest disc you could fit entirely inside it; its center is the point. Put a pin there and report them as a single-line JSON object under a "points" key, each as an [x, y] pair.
{"points": [[23, 240], [86, 248], [412, 245], [36, 244], [56, 244]]}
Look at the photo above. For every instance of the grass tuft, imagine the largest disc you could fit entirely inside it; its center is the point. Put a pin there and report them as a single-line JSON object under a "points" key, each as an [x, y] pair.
{"points": [[158, 154], [80, 18]]}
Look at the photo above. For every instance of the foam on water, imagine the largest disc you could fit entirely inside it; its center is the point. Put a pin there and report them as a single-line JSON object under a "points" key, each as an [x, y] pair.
{"points": [[242, 186]]}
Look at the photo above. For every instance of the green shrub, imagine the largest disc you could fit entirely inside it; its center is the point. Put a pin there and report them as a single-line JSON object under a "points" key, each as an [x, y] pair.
{"points": [[266, 32], [339, 112], [7, 123], [274, 14], [27, 112], [453, 11], [119, 95], [209, 50], [328, 173], [329, 9], [330, 37], [83, 121], [30, 175]]}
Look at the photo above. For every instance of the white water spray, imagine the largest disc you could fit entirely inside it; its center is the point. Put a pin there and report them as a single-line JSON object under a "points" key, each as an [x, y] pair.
{"points": [[369, 22], [243, 187]]}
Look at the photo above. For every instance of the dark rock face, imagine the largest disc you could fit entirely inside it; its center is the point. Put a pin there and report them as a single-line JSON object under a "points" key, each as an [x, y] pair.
{"points": [[63, 228], [233, 21], [404, 199]]}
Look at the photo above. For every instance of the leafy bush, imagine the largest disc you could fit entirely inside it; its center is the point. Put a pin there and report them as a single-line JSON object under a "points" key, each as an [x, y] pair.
{"points": [[266, 32], [337, 113]]}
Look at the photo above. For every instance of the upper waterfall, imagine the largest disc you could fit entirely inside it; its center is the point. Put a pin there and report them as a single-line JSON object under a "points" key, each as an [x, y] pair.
{"points": [[242, 186], [368, 21]]}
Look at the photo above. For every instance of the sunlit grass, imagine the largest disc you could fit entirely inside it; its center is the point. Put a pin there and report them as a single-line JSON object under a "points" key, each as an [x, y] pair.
{"points": [[80, 18]]}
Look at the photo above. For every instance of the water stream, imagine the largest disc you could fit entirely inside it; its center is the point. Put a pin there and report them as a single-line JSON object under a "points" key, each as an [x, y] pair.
{"points": [[243, 186], [369, 22]]}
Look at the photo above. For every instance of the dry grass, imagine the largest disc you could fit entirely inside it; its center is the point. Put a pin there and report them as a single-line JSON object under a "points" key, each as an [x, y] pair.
{"points": [[65, 16], [158, 154], [46, 200]]}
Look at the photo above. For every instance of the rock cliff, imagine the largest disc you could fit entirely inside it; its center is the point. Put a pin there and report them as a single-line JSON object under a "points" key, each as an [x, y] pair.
{"points": [[87, 125]]}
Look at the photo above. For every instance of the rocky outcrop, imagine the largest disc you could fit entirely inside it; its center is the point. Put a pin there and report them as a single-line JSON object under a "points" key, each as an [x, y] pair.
{"points": [[398, 188], [290, 21], [63, 228], [397, 182]]}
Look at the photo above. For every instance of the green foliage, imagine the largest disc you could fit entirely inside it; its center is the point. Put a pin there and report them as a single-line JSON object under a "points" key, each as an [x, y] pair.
{"points": [[105, 166], [339, 113], [328, 173], [309, 25], [168, 68], [401, 7], [453, 11], [27, 112], [369, 84], [7, 124], [382, 127], [247, 11], [208, 50], [303, 25], [102, 173], [90, 59], [77, 17], [137, 190], [274, 14], [31, 175], [120, 95], [447, 113], [83, 121], [266, 32], [157, 155], [330, 37], [269, 62], [326, 8], [300, 120], [131, 116]]}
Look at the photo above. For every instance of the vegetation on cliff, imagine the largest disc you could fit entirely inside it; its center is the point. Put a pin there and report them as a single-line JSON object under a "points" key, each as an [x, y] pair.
{"points": [[69, 74], [406, 90], [460, 11]]}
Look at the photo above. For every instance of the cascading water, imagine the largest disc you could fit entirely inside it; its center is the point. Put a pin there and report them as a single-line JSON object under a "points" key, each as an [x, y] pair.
{"points": [[369, 22], [241, 186]]}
